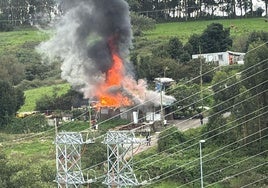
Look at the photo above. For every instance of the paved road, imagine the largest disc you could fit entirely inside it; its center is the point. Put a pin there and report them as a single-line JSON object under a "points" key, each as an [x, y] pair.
{"points": [[182, 125]]}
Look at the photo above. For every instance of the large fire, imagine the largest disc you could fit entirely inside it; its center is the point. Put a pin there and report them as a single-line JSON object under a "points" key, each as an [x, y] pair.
{"points": [[110, 92]]}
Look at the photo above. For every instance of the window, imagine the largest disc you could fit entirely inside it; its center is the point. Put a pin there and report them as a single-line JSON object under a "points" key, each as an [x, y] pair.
{"points": [[220, 57]]}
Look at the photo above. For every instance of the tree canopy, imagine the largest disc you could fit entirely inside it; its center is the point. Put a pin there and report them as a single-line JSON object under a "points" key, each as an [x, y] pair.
{"points": [[11, 100]]}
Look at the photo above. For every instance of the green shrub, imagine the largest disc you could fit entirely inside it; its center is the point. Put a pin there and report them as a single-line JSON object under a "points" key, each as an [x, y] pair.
{"points": [[30, 124], [169, 138]]}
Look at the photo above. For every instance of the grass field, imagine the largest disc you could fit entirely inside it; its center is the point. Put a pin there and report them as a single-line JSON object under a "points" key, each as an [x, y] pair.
{"points": [[183, 30], [33, 95], [9, 40]]}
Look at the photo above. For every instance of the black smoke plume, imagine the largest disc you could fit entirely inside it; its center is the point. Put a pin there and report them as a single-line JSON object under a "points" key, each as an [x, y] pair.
{"points": [[81, 40]]}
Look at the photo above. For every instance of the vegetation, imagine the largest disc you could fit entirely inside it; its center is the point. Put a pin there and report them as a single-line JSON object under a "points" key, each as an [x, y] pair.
{"points": [[10, 99], [26, 13], [237, 121], [33, 95], [183, 30]]}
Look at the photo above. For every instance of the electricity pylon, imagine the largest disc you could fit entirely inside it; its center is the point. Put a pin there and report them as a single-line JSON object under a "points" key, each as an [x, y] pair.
{"points": [[120, 172], [68, 159]]}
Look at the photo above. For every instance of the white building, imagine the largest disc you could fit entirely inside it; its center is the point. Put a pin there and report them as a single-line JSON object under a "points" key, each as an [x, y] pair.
{"points": [[222, 58]]}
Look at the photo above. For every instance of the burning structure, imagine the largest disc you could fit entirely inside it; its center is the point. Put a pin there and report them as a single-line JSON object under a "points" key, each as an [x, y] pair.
{"points": [[93, 42], [92, 38]]}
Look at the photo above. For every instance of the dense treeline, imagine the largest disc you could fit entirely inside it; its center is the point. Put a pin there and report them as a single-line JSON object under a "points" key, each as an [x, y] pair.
{"points": [[182, 9], [15, 13]]}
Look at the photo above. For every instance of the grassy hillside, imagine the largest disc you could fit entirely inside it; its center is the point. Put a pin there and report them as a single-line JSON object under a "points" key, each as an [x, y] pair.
{"points": [[184, 30], [9, 40], [161, 33], [32, 95]]}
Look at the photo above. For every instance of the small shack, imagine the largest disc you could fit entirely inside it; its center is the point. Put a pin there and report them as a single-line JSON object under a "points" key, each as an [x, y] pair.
{"points": [[222, 58]]}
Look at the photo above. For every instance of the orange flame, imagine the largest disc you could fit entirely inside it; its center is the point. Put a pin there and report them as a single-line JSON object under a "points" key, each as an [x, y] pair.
{"points": [[114, 77]]}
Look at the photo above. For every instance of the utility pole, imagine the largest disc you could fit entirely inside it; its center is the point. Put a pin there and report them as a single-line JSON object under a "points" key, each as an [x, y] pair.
{"points": [[201, 79], [89, 113], [161, 106], [201, 168]]}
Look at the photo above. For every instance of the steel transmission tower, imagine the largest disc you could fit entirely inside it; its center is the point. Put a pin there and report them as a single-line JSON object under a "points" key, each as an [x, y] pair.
{"points": [[120, 172], [68, 159]]}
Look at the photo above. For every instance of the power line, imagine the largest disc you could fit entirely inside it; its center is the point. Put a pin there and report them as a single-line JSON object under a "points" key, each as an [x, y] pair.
{"points": [[200, 135], [210, 130], [186, 147], [176, 102], [41, 133], [237, 174], [241, 102], [208, 137], [197, 159], [222, 169], [214, 92], [34, 135], [225, 101], [252, 183], [100, 163], [242, 139]]}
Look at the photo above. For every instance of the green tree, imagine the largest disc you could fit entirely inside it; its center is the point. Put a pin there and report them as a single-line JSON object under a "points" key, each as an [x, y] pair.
{"points": [[151, 67], [175, 48], [215, 39], [194, 44], [210, 6], [10, 102], [225, 87], [11, 70], [63, 102], [242, 112], [30, 124], [191, 7], [141, 23], [134, 5], [193, 68], [18, 12], [225, 90], [257, 36], [257, 59], [256, 68], [169, 138], [188, 99]]}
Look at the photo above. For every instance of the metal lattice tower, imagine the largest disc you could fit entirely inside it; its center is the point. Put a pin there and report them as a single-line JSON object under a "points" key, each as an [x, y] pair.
{"points": [[68, 159], [120, 172]]}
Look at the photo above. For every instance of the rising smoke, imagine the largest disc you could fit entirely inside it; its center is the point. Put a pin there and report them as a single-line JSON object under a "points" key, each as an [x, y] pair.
{"points": [[81, 40]]}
